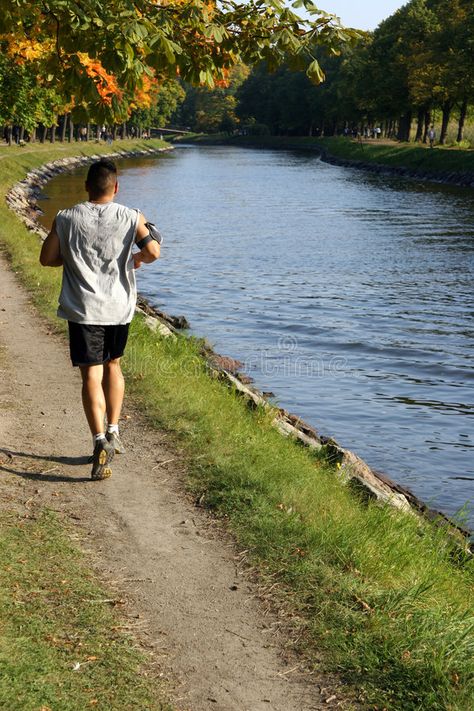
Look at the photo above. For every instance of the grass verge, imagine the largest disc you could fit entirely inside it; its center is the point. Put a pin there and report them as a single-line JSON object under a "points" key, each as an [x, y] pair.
{"points": [[415, 157], [61, 646], [383, 597]]}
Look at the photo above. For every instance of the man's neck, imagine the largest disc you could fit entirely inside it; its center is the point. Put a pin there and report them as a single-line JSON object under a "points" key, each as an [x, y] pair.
{"points": [[102, 200]]}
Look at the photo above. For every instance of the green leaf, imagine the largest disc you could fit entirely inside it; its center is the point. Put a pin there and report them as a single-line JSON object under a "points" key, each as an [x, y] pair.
{"points": [[130, 53], [315, 73], [217, 33], [168, 50]]}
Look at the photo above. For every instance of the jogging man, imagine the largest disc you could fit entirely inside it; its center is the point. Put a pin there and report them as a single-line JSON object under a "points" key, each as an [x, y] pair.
{"points": [[93, 242]]}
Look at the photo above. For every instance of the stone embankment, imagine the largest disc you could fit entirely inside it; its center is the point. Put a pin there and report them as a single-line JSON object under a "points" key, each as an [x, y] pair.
{"points": [[462, 179], [23, 197]]}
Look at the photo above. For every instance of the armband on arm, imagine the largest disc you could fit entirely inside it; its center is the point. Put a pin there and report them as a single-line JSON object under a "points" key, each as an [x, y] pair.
{"points": [[153, 234]]}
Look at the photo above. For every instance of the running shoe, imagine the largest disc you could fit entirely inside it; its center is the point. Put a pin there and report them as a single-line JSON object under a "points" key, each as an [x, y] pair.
{"points": [[101, 458], [116, 442]]}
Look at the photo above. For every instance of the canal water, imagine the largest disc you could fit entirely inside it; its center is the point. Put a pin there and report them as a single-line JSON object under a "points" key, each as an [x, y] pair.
{"points": [[348, 295]]}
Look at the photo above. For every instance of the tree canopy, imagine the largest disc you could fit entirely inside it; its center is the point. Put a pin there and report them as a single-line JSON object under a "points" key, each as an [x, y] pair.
{"points": [[103, 60]]}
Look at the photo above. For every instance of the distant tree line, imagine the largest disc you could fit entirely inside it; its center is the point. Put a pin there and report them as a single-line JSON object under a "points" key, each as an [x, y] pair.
{"points": [[35, 109], [418, 61]]}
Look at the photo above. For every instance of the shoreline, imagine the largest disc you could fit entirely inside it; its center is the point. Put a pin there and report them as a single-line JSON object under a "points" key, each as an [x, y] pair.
{"points": [[322, 146], [22, 199], [444, 178]]}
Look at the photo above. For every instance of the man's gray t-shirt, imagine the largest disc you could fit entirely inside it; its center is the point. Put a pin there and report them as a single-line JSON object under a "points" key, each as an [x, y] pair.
{"points": [[96, 242]]}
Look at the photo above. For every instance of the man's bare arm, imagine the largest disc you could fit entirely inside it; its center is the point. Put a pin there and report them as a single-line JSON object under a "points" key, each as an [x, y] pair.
{"points": [[50, 255], [151, 251]]}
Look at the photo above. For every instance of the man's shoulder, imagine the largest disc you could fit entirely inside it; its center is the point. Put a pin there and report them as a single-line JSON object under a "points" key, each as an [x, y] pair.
{"points": [[124, 209], [71, 211]]}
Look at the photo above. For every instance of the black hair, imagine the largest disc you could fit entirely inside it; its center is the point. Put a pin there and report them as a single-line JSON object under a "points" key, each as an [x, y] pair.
{"points": [[101, 177]]}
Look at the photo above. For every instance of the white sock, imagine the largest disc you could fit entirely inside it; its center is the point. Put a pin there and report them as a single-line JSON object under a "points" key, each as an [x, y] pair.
{"points": [[96, 438], [112, 428]]}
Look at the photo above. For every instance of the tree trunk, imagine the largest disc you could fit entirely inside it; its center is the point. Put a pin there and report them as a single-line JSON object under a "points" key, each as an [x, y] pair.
{"points": [[88, 134], [408, 126], [53, 133], [98, 132], [447, 106], [124, 130], [33, 136], [427, 125], [400, 129], [419, 125], [404, 127], [114, 132], [462, 121], [21, 133], [63, 128], [71, 130], [44, 133], [10, 135]]}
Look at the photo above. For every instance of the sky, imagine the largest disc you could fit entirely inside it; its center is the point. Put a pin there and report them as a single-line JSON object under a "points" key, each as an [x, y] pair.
{"points": [[362, 14]]}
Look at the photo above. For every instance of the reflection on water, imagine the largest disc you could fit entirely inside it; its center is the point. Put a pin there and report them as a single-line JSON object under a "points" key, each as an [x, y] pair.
{"points": [[348, 295]]}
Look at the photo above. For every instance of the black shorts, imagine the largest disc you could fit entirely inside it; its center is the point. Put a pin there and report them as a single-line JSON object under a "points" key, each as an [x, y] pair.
{"points": [[94, 345]]}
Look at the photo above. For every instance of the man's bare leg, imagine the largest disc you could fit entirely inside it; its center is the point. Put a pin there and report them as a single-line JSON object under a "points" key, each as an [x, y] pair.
{"points": [[114, 388], [93, 398]]}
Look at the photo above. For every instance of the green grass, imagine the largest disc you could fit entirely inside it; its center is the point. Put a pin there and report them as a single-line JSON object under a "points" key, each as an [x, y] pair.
{"points": [[54, 617], [407, 155], [378, 596], [402, 155]]}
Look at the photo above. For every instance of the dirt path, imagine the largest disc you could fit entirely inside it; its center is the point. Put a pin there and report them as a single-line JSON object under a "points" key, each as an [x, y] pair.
{"points": [[210, 634]]}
